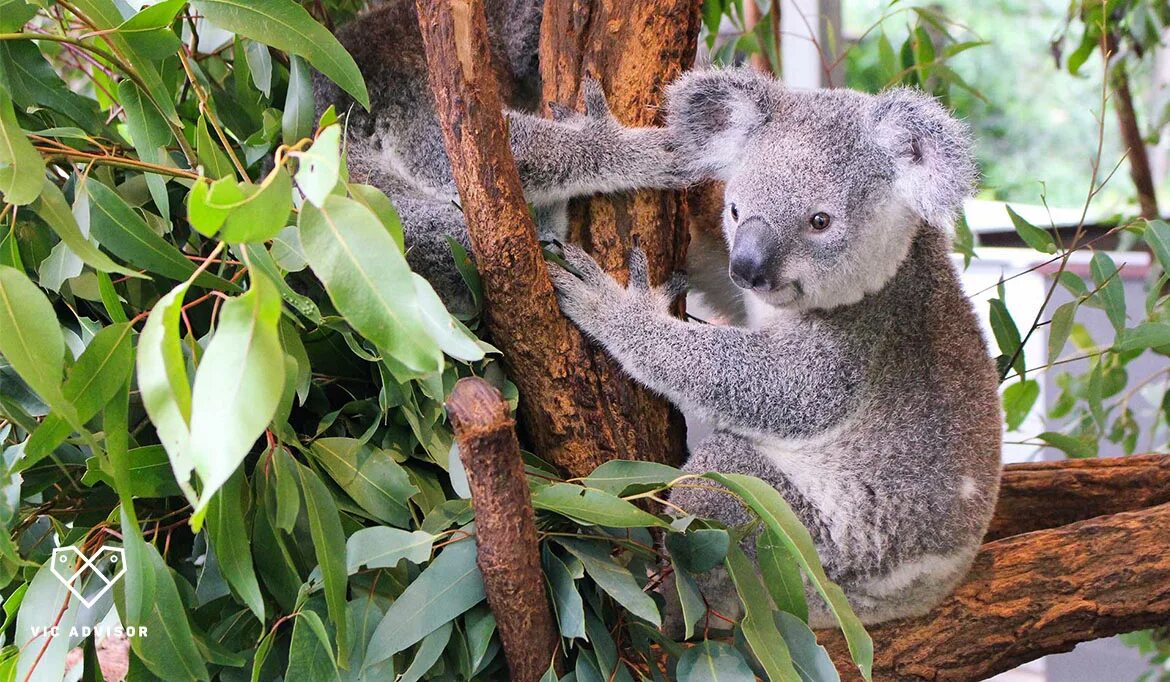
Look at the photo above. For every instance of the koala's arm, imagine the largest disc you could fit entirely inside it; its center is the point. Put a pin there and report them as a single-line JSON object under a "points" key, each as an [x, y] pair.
{"points": [[578, 155], [758, 380], [558, 159]]}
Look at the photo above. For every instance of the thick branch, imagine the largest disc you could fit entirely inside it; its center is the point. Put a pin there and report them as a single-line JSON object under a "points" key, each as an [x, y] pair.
{"points": [[1032, 595], [509, 551], [1040, 495], [634, 49], [564, 390]]}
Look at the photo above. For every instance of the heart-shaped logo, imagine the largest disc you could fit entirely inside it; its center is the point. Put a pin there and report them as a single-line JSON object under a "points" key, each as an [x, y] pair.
{"points": [[64, 567]]}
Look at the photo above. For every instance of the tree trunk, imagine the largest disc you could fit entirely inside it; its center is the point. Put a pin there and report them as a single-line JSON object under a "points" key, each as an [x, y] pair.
{"points": [[505, 527], [634, 50], [1131, 133], [568, 406], [1032, 595]]}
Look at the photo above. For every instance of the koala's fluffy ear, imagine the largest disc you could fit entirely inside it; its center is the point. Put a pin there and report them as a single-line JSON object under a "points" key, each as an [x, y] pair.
{"points": [[936, 169], [713, 112]]}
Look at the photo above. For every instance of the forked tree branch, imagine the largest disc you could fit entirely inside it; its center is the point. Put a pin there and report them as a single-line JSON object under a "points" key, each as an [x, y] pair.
{"points": [[564, 391], [1031, 595], [1076, 552]]}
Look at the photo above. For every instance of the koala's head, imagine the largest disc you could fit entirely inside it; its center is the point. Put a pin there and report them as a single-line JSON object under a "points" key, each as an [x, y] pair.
{"points": [[825, 189]]}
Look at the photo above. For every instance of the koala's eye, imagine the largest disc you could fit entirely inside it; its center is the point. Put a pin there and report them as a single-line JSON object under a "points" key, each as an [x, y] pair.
{"points": [[820, 221], [734, 212]]}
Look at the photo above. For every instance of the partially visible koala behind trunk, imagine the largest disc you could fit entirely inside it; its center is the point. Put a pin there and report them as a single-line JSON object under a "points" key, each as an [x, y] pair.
{"points": [[398, 146], [861, 386]]}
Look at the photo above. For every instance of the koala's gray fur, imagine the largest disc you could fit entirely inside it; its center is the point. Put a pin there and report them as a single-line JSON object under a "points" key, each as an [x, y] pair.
{"points": [[397, 146], [861, 387]]}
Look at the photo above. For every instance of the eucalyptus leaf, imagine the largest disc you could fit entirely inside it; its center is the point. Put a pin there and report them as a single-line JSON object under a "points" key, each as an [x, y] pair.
{"points": [[448, 587], [285, 25], [53, 209], [1033, 236], [297, 121], [690, 600], [151, 135], [428, 652], [1158, 237], [124, 232], [238, 385], [164, 386], [758, 626], [366, 277], [766, 501], [310, 654], [22, 169], [30, 337], [93, 380], [619, 476], [375, 481], [1110, 289], [151, 600], [45, 603], [230, 539], [384, 547], [614, 579], [567, 603], [781, 574], [329, 546], [713, 662], [591, 506]]}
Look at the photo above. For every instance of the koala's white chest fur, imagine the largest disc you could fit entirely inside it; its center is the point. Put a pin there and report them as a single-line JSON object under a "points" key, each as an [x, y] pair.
{"points": [[814, 467]]}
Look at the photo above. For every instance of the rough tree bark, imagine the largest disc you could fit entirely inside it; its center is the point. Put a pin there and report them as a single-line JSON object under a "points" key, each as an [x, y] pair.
{"points": [[1131, 133], [634, 50], [1031, 595], [1039, 495], [567, 392], [509, 552]]}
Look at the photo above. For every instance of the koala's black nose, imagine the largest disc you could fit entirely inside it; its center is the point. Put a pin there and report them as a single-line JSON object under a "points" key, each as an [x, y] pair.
{"points": [[749, 270], [753, 256]]}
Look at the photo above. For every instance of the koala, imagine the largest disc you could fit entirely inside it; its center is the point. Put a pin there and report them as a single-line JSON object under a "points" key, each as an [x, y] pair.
{"points": [[860, 385], [397, 145]]}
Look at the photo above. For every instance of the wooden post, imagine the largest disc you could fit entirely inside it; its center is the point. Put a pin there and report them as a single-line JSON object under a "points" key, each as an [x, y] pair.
{"points": [[508, 549]]}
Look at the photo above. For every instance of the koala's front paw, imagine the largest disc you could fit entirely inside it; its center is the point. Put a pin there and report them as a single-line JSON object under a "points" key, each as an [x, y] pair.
{"points": [[588, 295], [597, 303]]}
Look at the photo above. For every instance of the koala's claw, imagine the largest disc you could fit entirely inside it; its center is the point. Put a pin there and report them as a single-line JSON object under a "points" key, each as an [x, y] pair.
{"points": [[561, 112], [582, 262], [595, 104], [676, 286], [639, 270]]}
